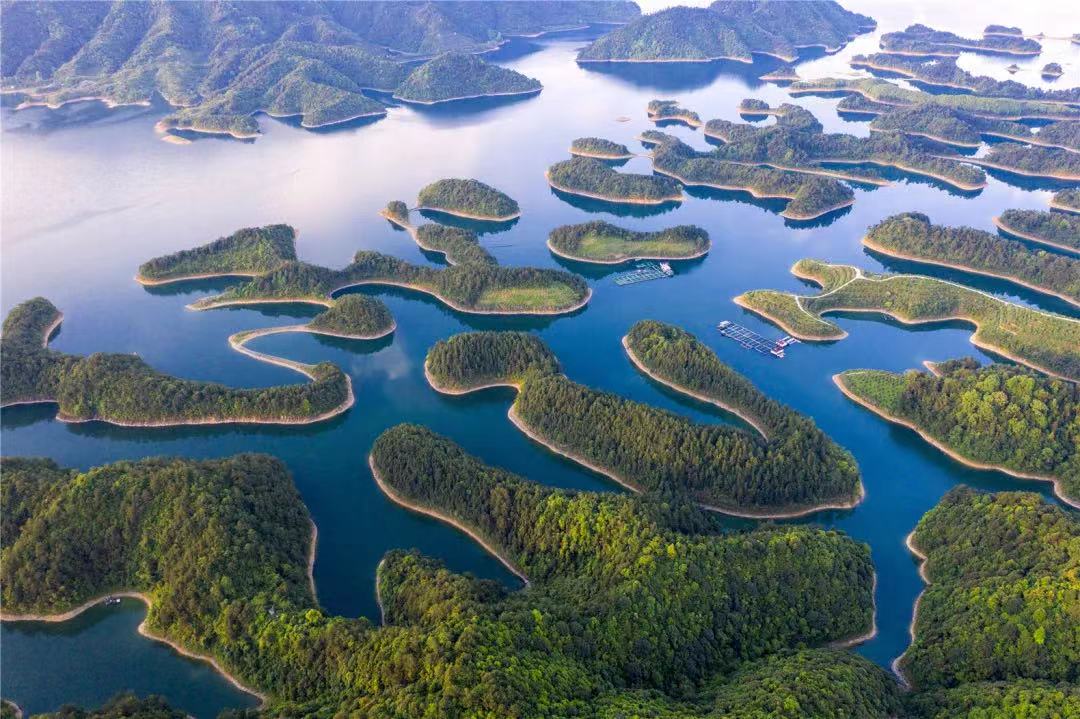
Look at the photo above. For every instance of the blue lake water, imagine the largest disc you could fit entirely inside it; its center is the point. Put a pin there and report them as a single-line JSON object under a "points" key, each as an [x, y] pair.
{"points": [[89, 194]]}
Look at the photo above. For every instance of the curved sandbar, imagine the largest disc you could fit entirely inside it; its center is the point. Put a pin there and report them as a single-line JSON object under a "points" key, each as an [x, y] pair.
{"points": [[470, 216], [446, 519], [143, 630], [147, 282], [876, 247], [838, 380], [534, 91], [608, 198]]}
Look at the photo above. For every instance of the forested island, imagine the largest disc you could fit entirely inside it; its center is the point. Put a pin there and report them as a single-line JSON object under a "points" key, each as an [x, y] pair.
{"points": [[999, 416], [600, 149], [1059, 230], [886, 95], [458, 245], [622, 439], [247, 252], [474, 287], [954, 127], [1042, 340], [729, 31], [911, 236], [1052, 70], [1051, 162], [122, 389], [943, 72], [468, 198], [459, 76], [587, 177], [1066, 200], [1000, 603], [671, 111], [604, 243], [220, 63], [923, 40], [796, 143], [810, 196]]}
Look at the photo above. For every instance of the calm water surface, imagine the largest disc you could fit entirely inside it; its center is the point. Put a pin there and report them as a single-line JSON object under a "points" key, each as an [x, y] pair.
{"points": [[89, 194]]}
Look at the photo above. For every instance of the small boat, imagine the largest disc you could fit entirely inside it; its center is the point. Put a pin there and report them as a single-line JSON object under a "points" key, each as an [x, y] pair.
{"points": [[111, 601]]}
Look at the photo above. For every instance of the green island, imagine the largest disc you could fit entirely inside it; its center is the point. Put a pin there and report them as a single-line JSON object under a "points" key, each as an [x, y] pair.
{"points": [[468, 198], [796, 471], [604, 243], [458, 245], [670, 111], [1052, 69], [475, 287], [122, 389], [944, 72], [922, 40], [995, 417], [1001, 599], [784, 73], [458, 76], [315, 62], [810, 196], [953, 127], [600, 149], [729, 31], [587, 177], [1066, 201], [1007, 30], [1041, 340], [1059, 230], [755, 107], [796, 143], [575, 643], [911, 236], [1036, 161], [882, 93], [247, 252]]}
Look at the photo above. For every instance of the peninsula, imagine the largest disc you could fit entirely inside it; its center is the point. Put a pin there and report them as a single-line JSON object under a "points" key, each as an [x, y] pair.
{"points": [[468, 198], [1066, 201], [604, 243], [1027, 422], [1042, 340], [587, 177], [911, 236], [618, 437], [245, 253], [1059, 230], [122, 389], [459, 76], [923, 40], [456, 244]]}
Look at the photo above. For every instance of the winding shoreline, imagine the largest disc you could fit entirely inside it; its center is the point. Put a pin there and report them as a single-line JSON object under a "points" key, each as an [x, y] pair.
{"points": [[470, 216], [838, 380], [396, 498], [616, 200], [149, 282], [601, 155], [632, 258], [1013, 170], [898, 670], [867, 242], [143, 630], [1003, 226], [428, 103]]}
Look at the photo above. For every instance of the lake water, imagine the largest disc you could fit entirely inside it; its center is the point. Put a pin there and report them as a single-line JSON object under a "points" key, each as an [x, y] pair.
{"points": [[89, 194]]}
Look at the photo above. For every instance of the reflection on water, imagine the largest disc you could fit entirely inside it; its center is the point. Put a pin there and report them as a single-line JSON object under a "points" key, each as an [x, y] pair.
{"points": [[85, 203]]}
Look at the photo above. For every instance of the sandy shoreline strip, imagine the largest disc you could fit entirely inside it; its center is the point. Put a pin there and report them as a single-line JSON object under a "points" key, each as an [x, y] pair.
{"points": [[149, 282], [632, 258], [468, 216], [838, 380], [909, 542]]}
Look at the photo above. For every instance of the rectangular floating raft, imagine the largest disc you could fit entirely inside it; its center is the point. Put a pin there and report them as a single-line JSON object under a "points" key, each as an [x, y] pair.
{"points": [[643, 272], [753, 341]]}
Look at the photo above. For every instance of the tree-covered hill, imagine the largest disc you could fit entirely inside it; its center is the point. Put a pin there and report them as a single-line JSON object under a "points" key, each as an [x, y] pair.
{"points": [[729, 30], [456, 76], [249, 251]]}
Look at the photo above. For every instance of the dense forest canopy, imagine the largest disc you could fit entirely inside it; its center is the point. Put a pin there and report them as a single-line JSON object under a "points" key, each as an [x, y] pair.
{"points": [[593, 178], [599, 147], [999, 415], [123, 389], [1042, 340], [912, 236], [1057, 229], [600, 241], [469, 197], [650, 449], [922, 40]]}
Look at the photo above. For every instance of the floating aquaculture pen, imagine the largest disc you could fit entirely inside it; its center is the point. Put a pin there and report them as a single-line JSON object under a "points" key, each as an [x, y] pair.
{"points": [[643, 272], [753, 341]]}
